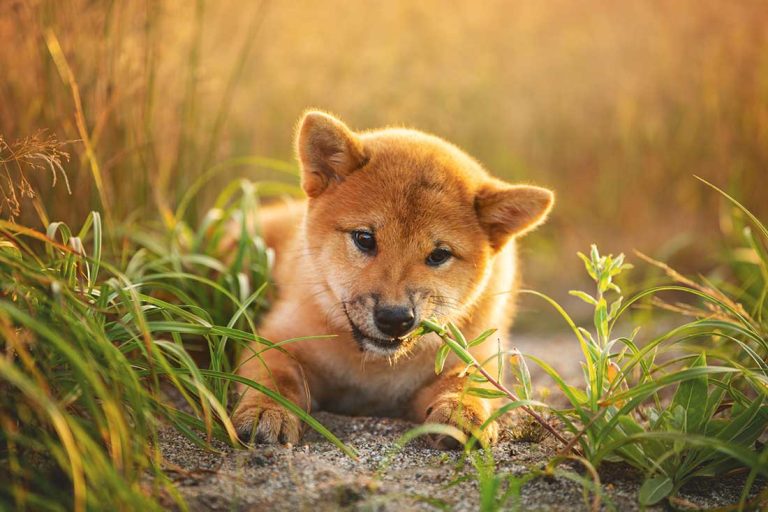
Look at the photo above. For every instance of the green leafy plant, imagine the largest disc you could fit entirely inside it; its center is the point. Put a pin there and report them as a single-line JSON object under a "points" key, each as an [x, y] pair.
{"points": [[676, 407], [454, 341], [624, 412]]}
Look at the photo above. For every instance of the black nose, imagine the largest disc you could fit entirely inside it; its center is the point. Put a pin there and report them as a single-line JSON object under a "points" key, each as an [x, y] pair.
{"points": [[394, 321]]}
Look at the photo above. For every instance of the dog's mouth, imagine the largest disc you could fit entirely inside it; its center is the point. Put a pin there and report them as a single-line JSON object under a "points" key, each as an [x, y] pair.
{"points": [[381, 345], [384, 346]]}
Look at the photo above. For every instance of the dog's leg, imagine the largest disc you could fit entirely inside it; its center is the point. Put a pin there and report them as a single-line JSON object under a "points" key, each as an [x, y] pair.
{"points": [[258, 417], [446, 401]]}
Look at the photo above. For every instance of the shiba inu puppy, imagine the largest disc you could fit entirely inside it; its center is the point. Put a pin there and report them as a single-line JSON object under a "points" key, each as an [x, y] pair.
{"points": [[398, 226]]}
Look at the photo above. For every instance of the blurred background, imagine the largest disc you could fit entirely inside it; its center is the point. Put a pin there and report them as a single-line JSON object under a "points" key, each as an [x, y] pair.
{"points": [[614, 105]]}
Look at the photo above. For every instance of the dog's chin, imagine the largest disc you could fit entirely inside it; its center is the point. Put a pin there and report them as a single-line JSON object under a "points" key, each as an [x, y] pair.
{"points": [[381, 347]]}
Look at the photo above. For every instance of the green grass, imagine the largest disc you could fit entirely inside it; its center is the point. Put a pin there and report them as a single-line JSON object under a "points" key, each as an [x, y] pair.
{"points": [[108, 335], [96, 355], [691, 402], [624, 411]]}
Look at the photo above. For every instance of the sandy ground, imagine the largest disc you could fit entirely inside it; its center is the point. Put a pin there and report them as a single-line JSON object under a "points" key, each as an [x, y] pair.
{"points": [[316, 476]]}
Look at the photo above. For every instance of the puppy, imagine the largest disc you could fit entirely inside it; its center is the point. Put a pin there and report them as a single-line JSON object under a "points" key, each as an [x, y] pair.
{"points": [[398, 226]]}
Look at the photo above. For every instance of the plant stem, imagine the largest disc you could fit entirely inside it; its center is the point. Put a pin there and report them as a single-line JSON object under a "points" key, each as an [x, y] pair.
{"points": [[501, 387]]}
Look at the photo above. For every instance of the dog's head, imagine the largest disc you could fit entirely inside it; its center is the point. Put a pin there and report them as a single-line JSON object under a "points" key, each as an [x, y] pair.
{"points": [[402, 226]]}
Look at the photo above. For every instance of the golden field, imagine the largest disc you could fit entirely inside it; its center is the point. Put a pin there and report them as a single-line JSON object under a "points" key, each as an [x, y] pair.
{"points": [[614, 105]]}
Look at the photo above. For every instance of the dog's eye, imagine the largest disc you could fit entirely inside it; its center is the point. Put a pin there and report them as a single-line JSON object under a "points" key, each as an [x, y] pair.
{"points": [[364, 241], [438, 257]]}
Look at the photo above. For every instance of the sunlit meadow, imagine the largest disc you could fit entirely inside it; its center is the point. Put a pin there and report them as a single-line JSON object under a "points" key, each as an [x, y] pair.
{"points": [[148, 113]]}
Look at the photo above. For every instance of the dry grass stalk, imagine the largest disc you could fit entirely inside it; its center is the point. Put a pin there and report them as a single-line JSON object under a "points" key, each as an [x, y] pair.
{"points": [[39, 152], [712, 311]]}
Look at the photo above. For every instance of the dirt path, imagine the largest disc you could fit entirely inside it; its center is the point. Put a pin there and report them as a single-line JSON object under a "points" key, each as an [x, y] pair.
{"points": [[316, 476]]}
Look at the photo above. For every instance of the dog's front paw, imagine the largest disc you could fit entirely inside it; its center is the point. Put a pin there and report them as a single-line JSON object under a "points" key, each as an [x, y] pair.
{"points": [[467, 414], [261, 420]]}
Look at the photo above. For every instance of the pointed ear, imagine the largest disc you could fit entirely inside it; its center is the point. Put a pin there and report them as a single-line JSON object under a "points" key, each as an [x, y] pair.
{"points": [[505, 210], [328, 151]]}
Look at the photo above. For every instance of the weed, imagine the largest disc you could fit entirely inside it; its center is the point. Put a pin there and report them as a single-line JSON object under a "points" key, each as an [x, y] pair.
{"points": [[689, 403]]}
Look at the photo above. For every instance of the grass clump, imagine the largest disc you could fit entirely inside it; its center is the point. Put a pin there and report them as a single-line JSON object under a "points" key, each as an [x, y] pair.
{"points": [[666, 408], [688, 403], [94, 357], [75, 409]]}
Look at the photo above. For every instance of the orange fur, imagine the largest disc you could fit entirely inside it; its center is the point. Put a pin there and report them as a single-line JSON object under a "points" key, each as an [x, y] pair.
{"points": [[414, 193]]}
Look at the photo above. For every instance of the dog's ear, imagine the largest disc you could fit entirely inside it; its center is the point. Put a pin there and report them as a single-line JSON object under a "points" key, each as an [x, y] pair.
{"points": [[506, 210], [328, 151]]}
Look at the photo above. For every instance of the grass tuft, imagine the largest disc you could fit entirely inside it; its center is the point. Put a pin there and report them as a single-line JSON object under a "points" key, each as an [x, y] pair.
{"points": [[689, 403], [96, 357]]}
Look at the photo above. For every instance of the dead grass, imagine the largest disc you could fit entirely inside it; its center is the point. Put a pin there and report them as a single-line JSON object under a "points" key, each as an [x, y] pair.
{"points": [[615, 106], [40, 153]]}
